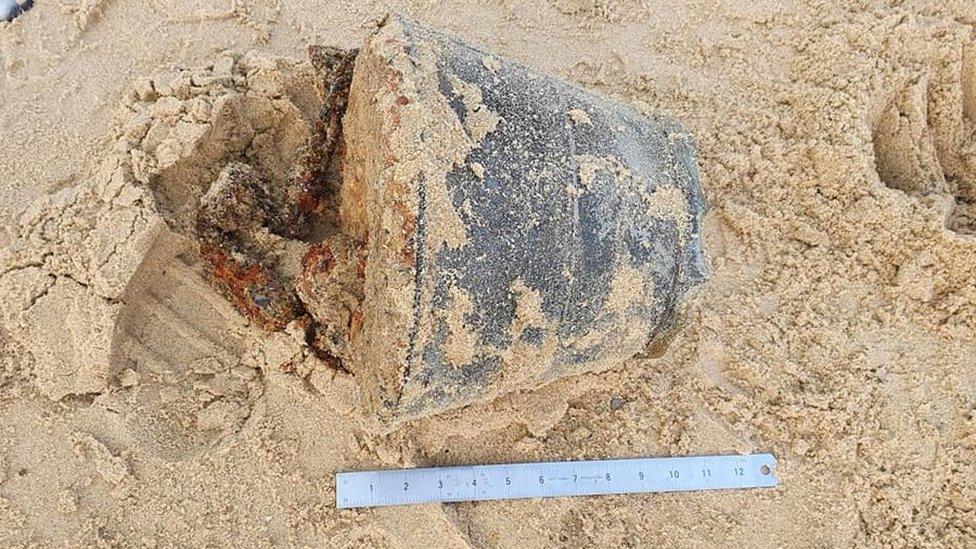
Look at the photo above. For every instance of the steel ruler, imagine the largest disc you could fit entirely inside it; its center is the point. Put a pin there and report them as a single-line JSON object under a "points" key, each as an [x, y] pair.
{"points": [[553, 479]]}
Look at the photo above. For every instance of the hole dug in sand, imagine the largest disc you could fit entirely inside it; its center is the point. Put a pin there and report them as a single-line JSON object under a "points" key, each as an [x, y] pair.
{"points": [[925, 138]]}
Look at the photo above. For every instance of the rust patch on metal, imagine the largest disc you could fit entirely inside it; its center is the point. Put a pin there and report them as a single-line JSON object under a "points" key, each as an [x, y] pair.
{"points": [[318, 258], [251, 288], [241, 206]]}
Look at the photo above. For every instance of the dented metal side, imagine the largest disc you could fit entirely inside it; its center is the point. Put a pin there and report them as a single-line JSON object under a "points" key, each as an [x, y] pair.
{"points": [[563, 241]]}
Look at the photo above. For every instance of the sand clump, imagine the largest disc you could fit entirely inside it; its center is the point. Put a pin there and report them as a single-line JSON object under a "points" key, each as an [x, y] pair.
{"points": [[138, 407]]}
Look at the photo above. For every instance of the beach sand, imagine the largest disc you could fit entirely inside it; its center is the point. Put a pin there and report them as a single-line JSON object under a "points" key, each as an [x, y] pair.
{"points": [[837, 330]]}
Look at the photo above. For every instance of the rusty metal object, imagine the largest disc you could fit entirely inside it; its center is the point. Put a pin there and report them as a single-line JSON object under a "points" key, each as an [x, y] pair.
{"points": [[311, 185], [240, 205], [499, 229], [520, 229], [235, 207], [331, 288]]}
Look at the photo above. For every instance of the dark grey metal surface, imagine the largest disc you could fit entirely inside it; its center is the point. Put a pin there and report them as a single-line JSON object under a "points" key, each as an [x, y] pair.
{"points": [[523, 224]]}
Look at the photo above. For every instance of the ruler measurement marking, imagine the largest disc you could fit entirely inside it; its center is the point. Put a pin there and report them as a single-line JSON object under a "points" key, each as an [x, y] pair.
{"points": [[553, 479]]}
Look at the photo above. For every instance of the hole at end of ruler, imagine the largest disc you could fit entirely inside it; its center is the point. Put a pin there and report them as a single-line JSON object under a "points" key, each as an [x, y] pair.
{"points": [[765, 470]]}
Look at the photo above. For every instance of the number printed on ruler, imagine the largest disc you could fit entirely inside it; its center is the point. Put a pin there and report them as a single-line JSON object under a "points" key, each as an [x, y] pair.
{"points": [[553, 479]]}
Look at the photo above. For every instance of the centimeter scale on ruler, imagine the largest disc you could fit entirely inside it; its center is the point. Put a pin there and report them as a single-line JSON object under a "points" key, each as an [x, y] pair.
{"points": [[553, 479]]}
